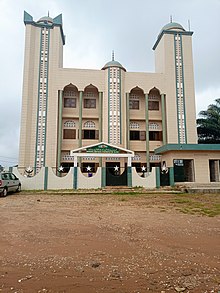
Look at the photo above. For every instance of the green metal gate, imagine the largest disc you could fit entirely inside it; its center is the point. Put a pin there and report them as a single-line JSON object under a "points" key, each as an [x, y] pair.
{"points": [[116, 176]]}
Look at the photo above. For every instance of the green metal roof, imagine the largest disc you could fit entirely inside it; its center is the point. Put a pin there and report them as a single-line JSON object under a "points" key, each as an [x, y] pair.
{"points": [[113, 63], [46, 19], [172, 26], [187, 147]]}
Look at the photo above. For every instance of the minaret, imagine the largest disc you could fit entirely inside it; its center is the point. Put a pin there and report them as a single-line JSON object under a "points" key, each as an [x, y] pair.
{"points": [[173, 58], [44, 42], [114, 106]]}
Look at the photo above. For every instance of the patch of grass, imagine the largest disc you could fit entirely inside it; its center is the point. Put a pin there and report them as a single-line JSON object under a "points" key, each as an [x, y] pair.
{"points": [[183, 200], [125, 193], [205, 205]]}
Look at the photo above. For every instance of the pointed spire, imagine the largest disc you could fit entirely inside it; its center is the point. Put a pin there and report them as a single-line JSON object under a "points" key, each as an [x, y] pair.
{"points": [[189, 25], [171, 18], [48, 14], [113, 55]]}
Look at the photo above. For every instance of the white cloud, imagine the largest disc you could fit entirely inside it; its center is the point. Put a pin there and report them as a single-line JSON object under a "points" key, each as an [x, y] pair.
{"points": [[206, 97]]}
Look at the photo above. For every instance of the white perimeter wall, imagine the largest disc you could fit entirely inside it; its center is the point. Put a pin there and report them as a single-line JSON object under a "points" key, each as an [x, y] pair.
{"points": [[148, 182], [31, 183], [52, 181], [89, 182], [55, 182]]}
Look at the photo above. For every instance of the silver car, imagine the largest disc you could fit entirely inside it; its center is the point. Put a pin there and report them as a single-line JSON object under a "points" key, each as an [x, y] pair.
{"points": [[9, 182]]}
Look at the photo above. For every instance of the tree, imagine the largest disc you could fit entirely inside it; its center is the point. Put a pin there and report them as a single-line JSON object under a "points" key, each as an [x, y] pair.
{"points": [[208, 126]]}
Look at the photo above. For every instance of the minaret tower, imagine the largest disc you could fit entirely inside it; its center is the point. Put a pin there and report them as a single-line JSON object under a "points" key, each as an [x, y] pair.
{"points": [[44, 40], [173, 56], [114, 106]]}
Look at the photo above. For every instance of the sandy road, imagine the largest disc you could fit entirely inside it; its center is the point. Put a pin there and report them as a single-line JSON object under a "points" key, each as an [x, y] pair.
{"points": [[99, 243]]}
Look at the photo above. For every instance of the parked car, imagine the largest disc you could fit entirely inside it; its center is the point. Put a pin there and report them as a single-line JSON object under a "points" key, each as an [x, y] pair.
{"points": [[9, 182]]}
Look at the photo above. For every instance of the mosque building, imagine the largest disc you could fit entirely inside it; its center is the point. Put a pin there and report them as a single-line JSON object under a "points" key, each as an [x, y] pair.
{"points": [[141, 119]]}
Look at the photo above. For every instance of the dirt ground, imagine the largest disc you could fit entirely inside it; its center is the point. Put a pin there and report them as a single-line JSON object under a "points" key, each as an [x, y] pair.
{"points": [[106, 243]]}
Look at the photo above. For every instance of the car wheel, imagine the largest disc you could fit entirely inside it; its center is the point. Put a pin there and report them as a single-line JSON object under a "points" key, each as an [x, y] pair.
{"points": [[4, 192], [19, 188]]}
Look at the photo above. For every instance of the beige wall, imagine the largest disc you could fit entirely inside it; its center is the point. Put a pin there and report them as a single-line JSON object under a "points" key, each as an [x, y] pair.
{"points": [[189, 90], [201, 162], [29, 97]]}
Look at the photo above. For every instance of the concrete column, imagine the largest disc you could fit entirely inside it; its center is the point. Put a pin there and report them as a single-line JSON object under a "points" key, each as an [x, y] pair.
{"points": [[80, 117], [129, 176], [171, 176], [127, 121], [157, 177], [129, 161], [75, 161], [163, 119], [75, 179], [100, 121], [147, 133], [45, 178], [100, 115], [129, 172], [59, 136], [103, 179]]}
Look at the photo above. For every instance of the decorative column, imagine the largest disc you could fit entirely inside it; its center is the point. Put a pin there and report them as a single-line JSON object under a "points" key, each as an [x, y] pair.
{"points": [[75, 173], [180, 89], [157, 177], [128, 121], [103, 179], [171, 176], [80, 117], [129, 170], [59, 136], [100, 122], [45, 178], [147, 133], [100, 115], [163, 119]]}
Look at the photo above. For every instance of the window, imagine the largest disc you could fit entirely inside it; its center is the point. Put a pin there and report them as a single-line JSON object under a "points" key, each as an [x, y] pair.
{"points": [[89, 103], [134, 104], [70, 102], [69, 123], [214, 170], [155, 135], [153, 105], [69, 133], [137, 135], [153, 125], [89, 124], [134, 125], [136, 158], [90, 134]]}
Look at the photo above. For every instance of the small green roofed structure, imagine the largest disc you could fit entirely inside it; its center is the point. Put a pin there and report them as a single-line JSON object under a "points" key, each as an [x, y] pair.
{"points": [[172, 26]]}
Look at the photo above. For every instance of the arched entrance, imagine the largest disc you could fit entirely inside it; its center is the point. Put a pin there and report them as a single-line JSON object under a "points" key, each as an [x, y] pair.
{"points": [[112, 173]]}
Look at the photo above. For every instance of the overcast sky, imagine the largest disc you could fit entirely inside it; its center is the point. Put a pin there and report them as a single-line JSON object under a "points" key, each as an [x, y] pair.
{"points": [[94, 28]]}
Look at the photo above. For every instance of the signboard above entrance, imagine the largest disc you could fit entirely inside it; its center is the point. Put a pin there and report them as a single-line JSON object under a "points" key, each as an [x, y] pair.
{"points": [[102, 148]]}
